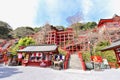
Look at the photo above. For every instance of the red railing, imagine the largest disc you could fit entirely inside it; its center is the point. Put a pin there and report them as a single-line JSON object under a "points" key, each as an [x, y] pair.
{"points": [[82, 61], [66, 62]]}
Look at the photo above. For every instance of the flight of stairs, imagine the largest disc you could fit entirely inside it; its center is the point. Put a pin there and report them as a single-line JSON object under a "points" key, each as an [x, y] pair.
{"points": [[75, 62]]}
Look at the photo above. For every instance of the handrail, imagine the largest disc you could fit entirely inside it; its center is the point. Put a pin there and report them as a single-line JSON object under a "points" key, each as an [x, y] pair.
{"points": [[82, 61]]}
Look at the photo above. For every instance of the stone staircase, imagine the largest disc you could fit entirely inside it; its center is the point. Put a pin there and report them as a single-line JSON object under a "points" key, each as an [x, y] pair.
{"points": [[75, 62]]}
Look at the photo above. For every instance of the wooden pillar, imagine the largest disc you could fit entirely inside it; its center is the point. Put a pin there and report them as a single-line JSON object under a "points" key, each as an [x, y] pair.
{"points": [[60, 40], [54, 38], [64, 39], [117, 55], [68, 36]]}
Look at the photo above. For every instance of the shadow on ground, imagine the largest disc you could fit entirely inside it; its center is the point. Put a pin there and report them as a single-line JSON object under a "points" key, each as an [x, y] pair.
{"points": [[6, 71]]}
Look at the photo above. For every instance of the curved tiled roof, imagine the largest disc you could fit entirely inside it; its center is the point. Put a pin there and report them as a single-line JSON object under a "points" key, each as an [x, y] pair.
{"points": [[112, 46], [41, 48], [103, 21]]}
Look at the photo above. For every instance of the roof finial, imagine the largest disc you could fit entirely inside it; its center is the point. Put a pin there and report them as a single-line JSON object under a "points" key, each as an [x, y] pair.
{"points": [[115, 15]]}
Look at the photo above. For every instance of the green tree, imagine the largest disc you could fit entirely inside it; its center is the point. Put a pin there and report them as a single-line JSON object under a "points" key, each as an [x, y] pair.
{"points": [[76, 27], [4, 30], [37, 29], [26, 41], [22, 42], [89, 25], [22, 32], [109, 55], [62, 51], [86, 56]]}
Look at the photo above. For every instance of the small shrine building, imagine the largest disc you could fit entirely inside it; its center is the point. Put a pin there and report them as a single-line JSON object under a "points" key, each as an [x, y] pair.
{"points": [[38, 55], [116, 47]]}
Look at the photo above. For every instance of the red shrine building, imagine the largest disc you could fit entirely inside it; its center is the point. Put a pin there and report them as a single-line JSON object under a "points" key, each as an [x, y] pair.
{"points": [[66, 40], [110, 23], [43, 56], [38, 55], [110, 28], [60, 37]]}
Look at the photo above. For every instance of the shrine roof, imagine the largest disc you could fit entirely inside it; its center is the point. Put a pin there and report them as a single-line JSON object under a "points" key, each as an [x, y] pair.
{"points": [[41, 48], [112, 46], [102, 21]]}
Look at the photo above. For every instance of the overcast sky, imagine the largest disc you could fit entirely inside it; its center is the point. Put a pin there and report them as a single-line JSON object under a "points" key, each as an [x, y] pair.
{"points": [[38, 12]]}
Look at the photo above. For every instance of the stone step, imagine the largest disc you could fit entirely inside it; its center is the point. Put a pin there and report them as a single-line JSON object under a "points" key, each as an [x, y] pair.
{"points": [[75, 62]]}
